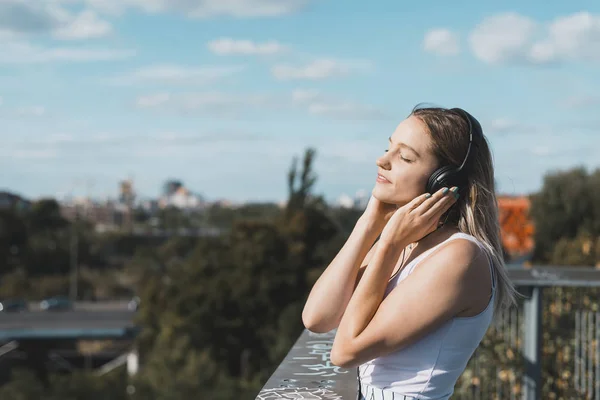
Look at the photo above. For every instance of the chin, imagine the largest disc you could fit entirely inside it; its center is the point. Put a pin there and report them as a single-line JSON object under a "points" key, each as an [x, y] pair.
{"points": [[384, 196]]}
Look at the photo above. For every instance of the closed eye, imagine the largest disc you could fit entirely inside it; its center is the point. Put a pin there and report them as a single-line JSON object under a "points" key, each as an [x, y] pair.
{"points": [[402, 158]]}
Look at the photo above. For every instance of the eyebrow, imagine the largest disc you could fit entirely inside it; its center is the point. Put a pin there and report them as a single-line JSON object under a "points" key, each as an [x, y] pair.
{"points": [[405, 145]]}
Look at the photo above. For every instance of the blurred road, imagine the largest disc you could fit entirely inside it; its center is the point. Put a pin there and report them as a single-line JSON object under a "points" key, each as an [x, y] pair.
{"points": [[86, 319], [90, 306], [62, 320]]}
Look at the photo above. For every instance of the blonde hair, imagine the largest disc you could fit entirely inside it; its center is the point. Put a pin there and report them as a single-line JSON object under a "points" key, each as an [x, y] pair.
{"points": [[476, 212]]}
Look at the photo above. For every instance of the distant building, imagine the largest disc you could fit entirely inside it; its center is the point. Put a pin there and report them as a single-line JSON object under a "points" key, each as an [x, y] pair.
{"points": [[224, 203], [126, 192], [105, 215], [345, 201], [359, 201], [516, 225], [183, 199], [171, 187], [150, 206]]}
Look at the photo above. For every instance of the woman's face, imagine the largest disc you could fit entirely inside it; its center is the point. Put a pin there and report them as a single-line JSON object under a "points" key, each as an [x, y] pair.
{"points": [[405, 168]]}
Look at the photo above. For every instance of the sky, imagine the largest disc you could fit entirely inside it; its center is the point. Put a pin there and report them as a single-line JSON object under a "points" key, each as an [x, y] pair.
{"points": [[222, 94]]}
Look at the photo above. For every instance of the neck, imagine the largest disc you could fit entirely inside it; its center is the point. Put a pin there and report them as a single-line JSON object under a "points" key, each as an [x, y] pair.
{"points": [[435, 236]]}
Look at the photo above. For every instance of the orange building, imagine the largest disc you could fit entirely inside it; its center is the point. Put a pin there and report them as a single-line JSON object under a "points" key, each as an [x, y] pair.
{"points": [[516, 225]]}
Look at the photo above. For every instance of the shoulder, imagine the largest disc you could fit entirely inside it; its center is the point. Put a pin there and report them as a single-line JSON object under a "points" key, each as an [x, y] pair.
{"points": [[463, 249], [459, 260]]}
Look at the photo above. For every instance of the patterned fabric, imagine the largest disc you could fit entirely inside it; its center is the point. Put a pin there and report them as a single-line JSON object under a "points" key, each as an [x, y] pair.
{"points": [[367, 392]]}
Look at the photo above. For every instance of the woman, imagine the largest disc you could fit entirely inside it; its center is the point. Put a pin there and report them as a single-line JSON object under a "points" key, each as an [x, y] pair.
{"points": [[411, 309]]}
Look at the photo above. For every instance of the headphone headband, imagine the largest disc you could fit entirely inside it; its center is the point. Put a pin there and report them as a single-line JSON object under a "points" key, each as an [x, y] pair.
{"points": [[448, 175], [474, 130]]}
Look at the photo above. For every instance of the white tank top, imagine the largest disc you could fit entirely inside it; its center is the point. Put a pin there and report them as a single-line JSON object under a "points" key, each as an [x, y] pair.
{"points": [[430, 367]]}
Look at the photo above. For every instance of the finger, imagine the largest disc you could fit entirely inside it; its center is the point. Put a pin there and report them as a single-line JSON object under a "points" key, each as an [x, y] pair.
{"points": [[442, 205], [417, 201], [424, 206]]}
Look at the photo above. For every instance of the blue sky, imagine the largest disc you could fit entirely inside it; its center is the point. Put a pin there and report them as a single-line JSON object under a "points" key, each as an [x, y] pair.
{"points": [[223, 93]]}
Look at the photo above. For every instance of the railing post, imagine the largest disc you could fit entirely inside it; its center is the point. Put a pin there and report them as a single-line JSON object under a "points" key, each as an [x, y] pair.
{"points": [[532, 343]]}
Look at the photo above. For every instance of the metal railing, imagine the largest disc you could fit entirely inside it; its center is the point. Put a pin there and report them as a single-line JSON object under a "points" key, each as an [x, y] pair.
{"points": [[546, 347]]}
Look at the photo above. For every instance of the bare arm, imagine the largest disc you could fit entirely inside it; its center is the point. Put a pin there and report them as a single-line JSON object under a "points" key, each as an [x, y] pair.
{"points": [[331, 293]]}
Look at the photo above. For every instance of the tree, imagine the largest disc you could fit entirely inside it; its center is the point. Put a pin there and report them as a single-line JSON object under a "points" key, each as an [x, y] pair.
{"points": [[300, 186], [564, 208], [13, 240], [23, 385], [175, 370], [45, 216]]}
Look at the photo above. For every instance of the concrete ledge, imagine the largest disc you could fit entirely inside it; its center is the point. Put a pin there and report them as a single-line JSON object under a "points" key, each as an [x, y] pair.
{"points": [[307, 373]]}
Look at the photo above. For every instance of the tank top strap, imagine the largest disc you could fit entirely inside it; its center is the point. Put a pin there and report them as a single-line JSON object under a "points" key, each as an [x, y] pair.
{"points": [[458, 235], [462, 235]]}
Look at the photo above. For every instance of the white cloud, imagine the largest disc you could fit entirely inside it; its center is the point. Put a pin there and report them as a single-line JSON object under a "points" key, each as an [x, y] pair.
{"points": [[177, 74], [59, 138], [24, 17], [574, 37], [68, 141], [500, 125], [27, 17], [34, 111], [213, 103], [514, 38], [33, 154], [318, 69], [305, 95], [153, 100], [442, 42], [222, 104], [29, 112], [26, 53], [227, 46], [503, 37], [200, 8], [581, 101], [85, 25], [317, 103], [345, 110], [541, 151]]}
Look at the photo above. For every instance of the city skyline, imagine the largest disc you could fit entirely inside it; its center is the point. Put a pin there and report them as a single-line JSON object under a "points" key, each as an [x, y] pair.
{"points": [[223, 94]]}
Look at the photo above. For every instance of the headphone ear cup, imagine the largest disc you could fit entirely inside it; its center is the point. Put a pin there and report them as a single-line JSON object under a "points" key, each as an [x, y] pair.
{"points": [[439, 178]]}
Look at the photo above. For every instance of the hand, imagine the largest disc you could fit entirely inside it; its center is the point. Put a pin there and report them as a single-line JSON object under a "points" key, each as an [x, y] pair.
{"points": [[379, 211], [418, 218]]}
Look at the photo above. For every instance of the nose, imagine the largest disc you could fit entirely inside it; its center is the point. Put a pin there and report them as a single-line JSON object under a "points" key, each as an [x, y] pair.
{"points": [[383, 162]]}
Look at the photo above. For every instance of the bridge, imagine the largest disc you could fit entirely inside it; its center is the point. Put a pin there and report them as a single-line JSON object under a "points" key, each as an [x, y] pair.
{"points": [[49, 339], [101, 320]]}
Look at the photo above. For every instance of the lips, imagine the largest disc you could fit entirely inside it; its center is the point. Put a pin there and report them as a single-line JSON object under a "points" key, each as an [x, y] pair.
{"points": [[382, 179]]}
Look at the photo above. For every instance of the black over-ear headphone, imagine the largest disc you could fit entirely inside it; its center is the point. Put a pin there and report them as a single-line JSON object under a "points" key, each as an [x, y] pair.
{"points": [[448, 175]]}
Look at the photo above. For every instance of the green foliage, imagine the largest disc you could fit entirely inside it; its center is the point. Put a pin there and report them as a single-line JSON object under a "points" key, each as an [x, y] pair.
{"points": [[13, 240], [565, 211], [24, 385], [175, 370], [224, 217], [300, 185], [582, 250], [39, 240], [18, 284], [220, 315]]}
